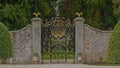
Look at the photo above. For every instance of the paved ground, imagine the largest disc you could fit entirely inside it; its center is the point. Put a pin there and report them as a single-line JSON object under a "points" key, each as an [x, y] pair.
{"points": [[56, 66]]}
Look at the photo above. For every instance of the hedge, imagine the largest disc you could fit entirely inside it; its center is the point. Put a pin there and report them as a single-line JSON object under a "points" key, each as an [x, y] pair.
{"points": [[6, 46], [113, 52]]}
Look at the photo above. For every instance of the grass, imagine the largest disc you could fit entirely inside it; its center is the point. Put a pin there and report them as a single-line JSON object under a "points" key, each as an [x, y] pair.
{"points": [[61, 54]]}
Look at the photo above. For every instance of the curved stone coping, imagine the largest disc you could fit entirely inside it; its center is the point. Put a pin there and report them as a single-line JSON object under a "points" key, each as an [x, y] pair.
{"points": [[84, 25], [103, 31], [21, 29]]}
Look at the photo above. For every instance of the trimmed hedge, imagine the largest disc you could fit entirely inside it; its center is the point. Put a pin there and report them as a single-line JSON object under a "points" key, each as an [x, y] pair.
{"points": [[6, 46], [113, 52]]}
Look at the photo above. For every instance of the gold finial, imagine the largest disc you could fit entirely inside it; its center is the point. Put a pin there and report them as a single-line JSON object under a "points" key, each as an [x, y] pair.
{"points": [[36, 14], [79, 14]]}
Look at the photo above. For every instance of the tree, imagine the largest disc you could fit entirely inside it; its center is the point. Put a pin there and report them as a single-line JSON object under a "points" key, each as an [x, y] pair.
{"points": [[98, 13], [16, 14], [14, 17], [6, 46], [116, 6], [113, 52], [68, 8]]}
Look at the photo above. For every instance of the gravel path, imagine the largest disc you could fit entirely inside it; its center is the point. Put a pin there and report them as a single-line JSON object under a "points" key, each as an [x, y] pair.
{"points": [[56, 66]]}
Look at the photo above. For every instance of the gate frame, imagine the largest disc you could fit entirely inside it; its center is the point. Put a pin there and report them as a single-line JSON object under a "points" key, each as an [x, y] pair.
{"points": [[79, 37]]}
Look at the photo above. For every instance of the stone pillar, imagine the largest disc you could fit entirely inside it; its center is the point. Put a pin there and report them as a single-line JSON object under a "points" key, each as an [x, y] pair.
{"points": [[79, 37], [36, 25]]}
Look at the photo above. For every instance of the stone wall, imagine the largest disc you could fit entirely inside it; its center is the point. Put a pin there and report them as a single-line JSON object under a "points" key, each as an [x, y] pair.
{"points": [[22, 40], [95, 44], [91, 42]]}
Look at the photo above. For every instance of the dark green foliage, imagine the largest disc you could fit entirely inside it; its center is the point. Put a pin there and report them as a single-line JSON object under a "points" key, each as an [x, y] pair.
{"points": [[116, 7], [16, 14], [14, 17], [98, 13], [6, 47], [113, 52]]}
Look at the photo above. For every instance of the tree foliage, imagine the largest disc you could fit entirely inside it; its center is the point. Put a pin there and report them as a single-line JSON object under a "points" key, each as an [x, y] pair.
{"points": [[17, 13], [113, 52], [6, 47], [116, 6], [98, 13]]}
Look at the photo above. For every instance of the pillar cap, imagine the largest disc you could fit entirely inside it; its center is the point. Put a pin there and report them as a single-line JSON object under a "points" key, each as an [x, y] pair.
{"points": [[36, 19], [79, 19]]}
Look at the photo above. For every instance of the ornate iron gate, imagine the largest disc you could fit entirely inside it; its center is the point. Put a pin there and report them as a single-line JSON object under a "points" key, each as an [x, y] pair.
{"points": [[58, 41]]}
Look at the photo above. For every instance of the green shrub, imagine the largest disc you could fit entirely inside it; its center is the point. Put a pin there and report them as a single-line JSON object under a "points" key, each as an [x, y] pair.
{"points": [[113, 52], [6, 47]]}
